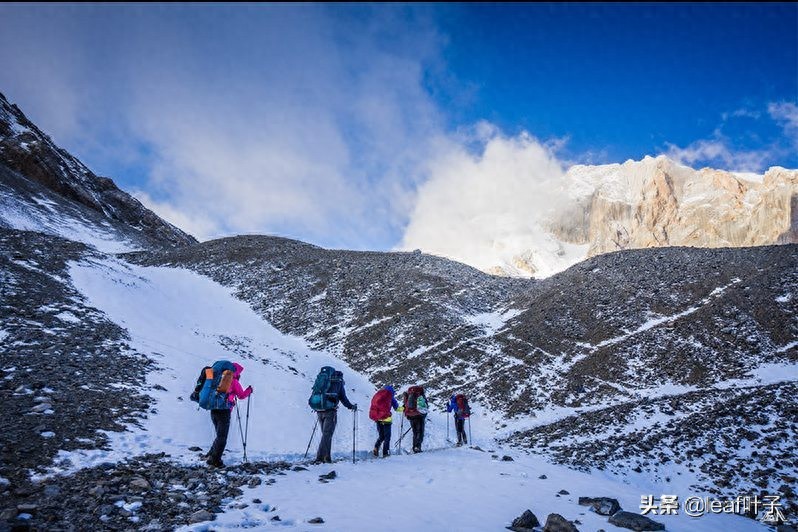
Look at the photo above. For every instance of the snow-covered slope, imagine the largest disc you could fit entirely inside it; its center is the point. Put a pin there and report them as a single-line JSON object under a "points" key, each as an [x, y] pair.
{"points": [[565, 360], [181, 320]]}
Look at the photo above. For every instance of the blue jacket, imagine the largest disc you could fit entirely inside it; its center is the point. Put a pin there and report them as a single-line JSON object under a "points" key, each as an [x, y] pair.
{"points": [[394, 404]]}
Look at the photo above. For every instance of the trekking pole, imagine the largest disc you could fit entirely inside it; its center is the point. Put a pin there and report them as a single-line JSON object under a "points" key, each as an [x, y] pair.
{"points": [[447, 428], [246, 428], [469, 432], [354, 430], [399, 441], [311, 437], [241, 432]]}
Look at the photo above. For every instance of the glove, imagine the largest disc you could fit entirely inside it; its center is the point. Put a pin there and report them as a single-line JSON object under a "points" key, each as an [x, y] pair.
{"points": [[250, 389], [400, 409], [354, 407]]}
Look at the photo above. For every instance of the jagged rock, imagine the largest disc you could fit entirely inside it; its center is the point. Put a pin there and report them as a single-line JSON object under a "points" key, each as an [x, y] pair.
{"points": [[316, 521], [27, 508], [329, 476], [558, 523], [526, 522], [139, 484], [563, 492], [601, 505], [200, 516], [506, 458], [543, 477], [635, 522], [195, 449]]}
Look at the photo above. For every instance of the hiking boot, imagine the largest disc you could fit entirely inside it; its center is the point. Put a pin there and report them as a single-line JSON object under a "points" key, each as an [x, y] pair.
{"points": [[327, 460], [386, 454], [215, 463], [376, 451]]}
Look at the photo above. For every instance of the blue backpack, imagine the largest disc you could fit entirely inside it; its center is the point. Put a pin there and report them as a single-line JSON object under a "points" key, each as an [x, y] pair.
{"points": [[213, 394], [324, 395]]}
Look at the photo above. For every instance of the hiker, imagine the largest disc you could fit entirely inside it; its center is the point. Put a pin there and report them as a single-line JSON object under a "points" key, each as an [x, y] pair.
{"points": [[217, 390], [328, 391], [380, 413], [415, 410], [459, 405]]}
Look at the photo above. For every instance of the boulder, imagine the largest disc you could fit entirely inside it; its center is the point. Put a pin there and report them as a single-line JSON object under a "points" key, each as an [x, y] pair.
{"points": [[635, 522], [601, 505], [558, 523], [316, 521], [200, 516], [526, 522]]}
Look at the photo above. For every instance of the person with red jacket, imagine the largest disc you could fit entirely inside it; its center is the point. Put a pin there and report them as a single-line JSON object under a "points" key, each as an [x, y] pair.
{"points": [[380, 413], [221, 418]]}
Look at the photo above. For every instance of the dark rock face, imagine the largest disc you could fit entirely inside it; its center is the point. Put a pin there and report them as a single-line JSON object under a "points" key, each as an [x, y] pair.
{"points": [[526, 522], [32, 166], [558, 523], [635, 522], [601, 505]]}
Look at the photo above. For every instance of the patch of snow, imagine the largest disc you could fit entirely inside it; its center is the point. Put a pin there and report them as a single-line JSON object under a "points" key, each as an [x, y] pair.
{"points": [[784, 298], [492, 322], [47, 434], [67, 317]]}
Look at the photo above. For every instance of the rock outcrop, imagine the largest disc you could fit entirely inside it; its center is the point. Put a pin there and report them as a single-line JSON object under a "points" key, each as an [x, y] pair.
{"points": [[44, 188], [657, 202]]}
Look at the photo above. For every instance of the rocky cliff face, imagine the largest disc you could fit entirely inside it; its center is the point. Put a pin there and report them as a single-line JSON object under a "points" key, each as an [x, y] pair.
{"points": [[657, 203], [44, 188]]}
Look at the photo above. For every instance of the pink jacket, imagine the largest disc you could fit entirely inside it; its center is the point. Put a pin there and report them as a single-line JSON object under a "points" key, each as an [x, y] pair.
{"points": [[235, 388]]}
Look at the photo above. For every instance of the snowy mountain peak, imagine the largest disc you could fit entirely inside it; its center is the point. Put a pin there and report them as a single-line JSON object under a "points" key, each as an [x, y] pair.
{"points": [[654, 202]]}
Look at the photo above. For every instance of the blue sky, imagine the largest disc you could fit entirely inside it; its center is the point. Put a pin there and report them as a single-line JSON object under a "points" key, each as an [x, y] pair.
{"points": [[322, 122]]}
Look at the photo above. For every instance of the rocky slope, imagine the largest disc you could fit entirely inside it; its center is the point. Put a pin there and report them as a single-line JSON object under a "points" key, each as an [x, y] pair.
{"points": [[44, 188], [671, 330]]}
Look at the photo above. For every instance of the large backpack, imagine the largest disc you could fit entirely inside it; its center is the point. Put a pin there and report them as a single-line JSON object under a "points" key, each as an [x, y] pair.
{"points": [[380, 405], [324, 395], [463, 410], [411, 401], [198, 386], [214, 392]]}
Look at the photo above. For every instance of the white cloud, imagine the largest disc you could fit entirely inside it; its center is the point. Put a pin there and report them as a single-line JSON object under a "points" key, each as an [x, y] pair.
{"points": [[301, 120], [716, 151], [786, 114], [485, 209]]}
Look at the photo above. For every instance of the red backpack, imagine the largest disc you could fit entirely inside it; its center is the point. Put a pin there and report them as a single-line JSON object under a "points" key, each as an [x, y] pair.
{"points": [[380, 405], [463, 410], [411, 401]]}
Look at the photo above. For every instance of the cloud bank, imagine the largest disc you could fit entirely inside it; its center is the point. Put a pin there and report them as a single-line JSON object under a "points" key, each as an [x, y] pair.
{"points": [[488, 207], [301, 120]]}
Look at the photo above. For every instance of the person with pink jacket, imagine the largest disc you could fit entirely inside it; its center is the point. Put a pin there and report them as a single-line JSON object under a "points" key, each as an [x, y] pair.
{"points": [[221, 418]]}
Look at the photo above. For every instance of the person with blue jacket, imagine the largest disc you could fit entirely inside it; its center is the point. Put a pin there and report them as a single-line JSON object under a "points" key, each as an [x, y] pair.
{"points": [[328, 419], [461, 412], [380, 413]]}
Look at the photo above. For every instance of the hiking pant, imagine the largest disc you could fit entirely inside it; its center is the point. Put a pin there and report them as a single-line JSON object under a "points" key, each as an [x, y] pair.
{"points": [[384, 437], [459, 424], [327, 421], [221, 422], [417, 424]]}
